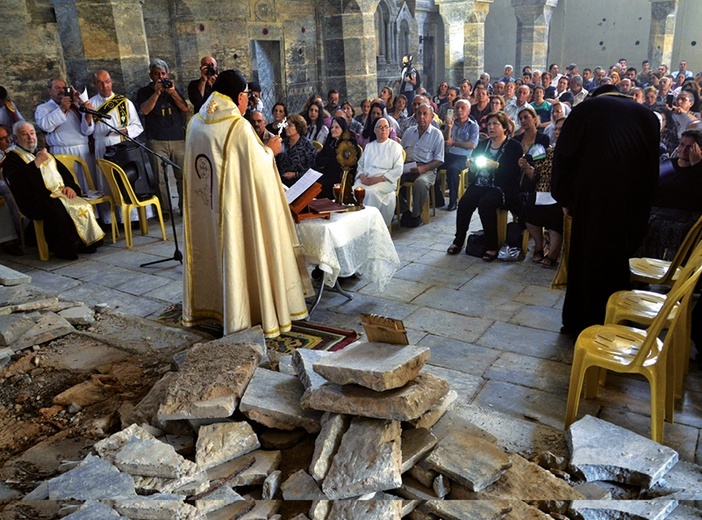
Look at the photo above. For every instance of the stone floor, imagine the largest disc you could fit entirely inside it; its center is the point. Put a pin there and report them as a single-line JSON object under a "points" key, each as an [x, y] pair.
{"points": [[492, 327]]}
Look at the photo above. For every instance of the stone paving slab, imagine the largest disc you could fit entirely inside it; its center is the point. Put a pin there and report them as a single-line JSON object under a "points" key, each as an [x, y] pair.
{"points": [[47, 327], [604, 451], [530, 403], [302, 361], [538, 295], [415, 443], [433, 276], [528, 341], [466, 385], [402, 404], [327, 443], [531, 372], [397, 289], [373, 305], [273, 399], [468, 509], [458, 355], [125, 280], [221, 442], [11, 277], [120, 301], [545, 318], [93, 479], [453, 325], [378, 366], [52, 282], [352, 509]]}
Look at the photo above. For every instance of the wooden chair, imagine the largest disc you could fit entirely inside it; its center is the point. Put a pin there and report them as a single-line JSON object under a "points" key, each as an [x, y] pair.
{"points": [[629, 350], [663, 272], [70, 162], [125, 197]]}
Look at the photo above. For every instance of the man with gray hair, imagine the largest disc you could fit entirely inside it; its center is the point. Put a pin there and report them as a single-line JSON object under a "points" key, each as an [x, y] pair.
{"points": [[164, 109], [576, 89]]}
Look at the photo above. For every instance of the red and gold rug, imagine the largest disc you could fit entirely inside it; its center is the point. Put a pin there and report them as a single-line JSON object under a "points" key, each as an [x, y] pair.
{"points": [[302, 335]]}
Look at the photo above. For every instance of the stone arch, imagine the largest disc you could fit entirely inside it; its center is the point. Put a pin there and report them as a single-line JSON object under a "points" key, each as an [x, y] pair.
{"points": [[383, 30]]}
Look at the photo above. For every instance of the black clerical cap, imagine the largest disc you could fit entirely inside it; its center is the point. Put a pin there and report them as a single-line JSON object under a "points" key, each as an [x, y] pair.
{"points": [[254, 87], [604, 89], [230, 83]]}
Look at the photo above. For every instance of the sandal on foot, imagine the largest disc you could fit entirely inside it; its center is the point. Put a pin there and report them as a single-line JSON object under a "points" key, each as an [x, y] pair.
{"points": [[548, 262], [453, 249], [489, 257], [538, 256]]}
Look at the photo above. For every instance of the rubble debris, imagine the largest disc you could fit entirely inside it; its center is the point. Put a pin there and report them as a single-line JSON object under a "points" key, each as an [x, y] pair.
{"points": [[93, 479], [221, 442]]}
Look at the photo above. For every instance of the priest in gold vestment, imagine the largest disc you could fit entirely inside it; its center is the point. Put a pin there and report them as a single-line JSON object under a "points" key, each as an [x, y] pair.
{"points": [[45, 190], [240, 266]]}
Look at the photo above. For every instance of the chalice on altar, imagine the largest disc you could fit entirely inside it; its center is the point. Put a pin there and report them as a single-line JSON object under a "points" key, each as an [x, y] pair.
{"points": [[337, 192], [359, 193]]}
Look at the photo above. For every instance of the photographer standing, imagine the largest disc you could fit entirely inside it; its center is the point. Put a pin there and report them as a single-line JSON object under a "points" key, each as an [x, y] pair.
{"points": [[409, 79], [200, 89], [163, 106], [66, 129]]}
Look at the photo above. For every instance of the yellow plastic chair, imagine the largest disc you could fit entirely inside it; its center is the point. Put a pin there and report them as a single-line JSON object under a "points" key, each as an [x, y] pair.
{"points": [[70, 162], [42, 246], [317, 146], [663, 272], [125, 197], [629, 350], [641, 307]]}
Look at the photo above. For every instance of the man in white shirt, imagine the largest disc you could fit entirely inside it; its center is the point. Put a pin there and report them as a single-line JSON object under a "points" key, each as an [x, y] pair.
{"points": [[66, 129], [577, 90], [424, 145], [521, 100]]}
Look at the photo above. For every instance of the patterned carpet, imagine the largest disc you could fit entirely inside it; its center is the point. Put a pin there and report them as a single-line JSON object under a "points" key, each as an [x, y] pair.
{"points": [[302, 335]]}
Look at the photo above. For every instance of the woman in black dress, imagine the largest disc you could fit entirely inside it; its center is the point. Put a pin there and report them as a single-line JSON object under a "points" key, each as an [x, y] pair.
{"points": [[326, 161]]}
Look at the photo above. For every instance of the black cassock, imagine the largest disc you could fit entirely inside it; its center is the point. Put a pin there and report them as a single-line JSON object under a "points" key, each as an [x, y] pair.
{"points": [[606, 170], [34, 201]]}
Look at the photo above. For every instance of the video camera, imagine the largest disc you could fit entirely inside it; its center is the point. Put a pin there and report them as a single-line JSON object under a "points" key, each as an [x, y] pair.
{"points": [[211, 70], [68, 91], [167, 83]]}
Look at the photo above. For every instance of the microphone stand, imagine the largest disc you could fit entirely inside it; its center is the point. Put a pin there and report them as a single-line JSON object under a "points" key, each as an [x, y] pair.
{"points": [[177, 255]]}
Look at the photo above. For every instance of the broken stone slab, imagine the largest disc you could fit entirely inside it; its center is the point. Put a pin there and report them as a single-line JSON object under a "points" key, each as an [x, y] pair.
{"points": [[481, 463], [593, 491], [236, 510], [301, 486], [41, 492], [603, 451], [23, 293], [47, 327], [412, 489], [107, 448], [333, 427], [271, 485], [34, 305], [5, 356], [82, 315], [187, 485], [262, 510], [94, 479], [273, 399], [369, 459], [153, 458], [13, 326], [183, 444], [423, 475], [683, 482], [161, 506], [416, 443], [87, 392], [223, 473], [92, 510], [319, 510], [303, 360], [222, 442], [265, 463], [273, 439], [401, 404], [523, 511], [468, 509], [524, 480], [9, 277], [217, 499], [378, 366], [285, 365], [433, 414], [639, 509], [211, 381], [354, 509]]}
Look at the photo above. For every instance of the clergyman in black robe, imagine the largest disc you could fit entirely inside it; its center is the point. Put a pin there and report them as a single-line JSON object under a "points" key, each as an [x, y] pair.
{"points": [[605, 172]]}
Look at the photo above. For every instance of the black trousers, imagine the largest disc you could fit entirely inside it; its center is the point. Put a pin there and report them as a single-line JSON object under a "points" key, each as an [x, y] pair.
{"points": [[487, 201]]}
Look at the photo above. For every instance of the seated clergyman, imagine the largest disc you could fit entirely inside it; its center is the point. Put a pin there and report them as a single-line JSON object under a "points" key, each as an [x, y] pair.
{"points": [[45, 190]]}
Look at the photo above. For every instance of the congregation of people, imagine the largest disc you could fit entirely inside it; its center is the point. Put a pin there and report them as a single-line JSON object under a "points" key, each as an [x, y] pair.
{"points": [[500, 135]]}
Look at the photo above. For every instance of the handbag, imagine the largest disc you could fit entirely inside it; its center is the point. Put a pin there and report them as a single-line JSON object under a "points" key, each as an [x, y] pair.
{"points": [[476, 244]]}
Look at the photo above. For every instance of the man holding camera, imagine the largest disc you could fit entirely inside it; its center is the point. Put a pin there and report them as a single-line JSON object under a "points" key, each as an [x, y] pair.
{"points": [[66, 129], [164, 109], [200, 89]]}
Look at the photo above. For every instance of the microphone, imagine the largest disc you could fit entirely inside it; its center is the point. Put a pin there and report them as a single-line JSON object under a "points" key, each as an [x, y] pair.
{"points": [[94, 113]]}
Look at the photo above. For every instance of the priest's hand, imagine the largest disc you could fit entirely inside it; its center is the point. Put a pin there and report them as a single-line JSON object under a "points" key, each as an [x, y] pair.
{"points": [[68, 192], [275, 144], [289, 175], [42, 156]]}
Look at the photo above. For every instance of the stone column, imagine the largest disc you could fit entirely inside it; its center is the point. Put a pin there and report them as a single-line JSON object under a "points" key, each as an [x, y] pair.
{"points": [[454, 13], [355, 67], [660, 43], [533, 19], [474, 46], [104, 34]]}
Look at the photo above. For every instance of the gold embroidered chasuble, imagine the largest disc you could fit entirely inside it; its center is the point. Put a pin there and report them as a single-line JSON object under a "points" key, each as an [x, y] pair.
{"points": [[240, 267]]}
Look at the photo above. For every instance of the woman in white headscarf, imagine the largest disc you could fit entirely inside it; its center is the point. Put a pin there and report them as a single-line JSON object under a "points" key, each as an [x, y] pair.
{"points": [[558, 110]]}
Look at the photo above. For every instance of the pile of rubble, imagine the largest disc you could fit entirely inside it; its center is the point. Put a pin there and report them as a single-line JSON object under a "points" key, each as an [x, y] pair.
{"points": [[219, 436]]}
